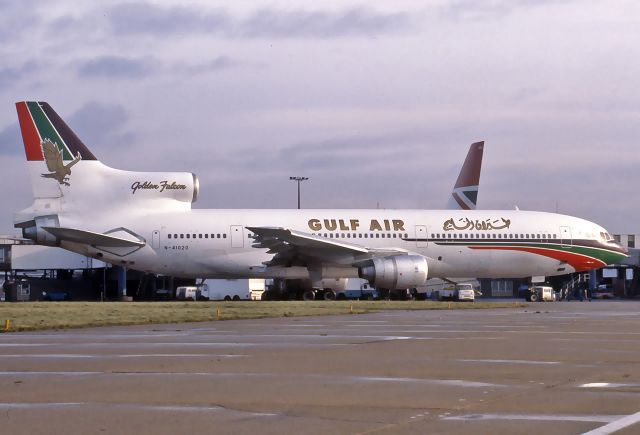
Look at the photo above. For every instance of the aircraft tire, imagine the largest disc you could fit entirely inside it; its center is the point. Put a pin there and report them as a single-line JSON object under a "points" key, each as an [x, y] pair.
{"points": [[329, 295]]}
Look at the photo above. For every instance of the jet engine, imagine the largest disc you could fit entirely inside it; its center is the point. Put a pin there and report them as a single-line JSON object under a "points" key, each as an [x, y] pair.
{"points": [[396, 272], [33, 230]]}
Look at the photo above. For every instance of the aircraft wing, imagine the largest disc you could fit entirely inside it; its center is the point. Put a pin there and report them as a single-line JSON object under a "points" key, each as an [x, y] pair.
{"points": [[290, 246]]}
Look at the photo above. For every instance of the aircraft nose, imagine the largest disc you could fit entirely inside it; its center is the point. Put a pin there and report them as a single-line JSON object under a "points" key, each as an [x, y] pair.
{"points": [[621, 248], [625, 250]]}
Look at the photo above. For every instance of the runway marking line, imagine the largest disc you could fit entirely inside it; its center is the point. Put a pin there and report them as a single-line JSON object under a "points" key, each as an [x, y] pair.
{"points": [[616, 425]]}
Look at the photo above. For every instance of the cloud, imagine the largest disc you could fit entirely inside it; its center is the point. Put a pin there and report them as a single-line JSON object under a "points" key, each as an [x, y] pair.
{"points": [[218, 64], [17, 19], [322, 24], [118, 67], [489, 9], [10, 140], [131, 18], [101, 125], [146, 18], [10, 75]]}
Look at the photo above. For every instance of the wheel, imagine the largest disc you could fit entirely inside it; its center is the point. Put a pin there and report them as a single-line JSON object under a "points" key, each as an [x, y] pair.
{"points": [[236, 298], [227, 298], [534, 297], [308, 295], [329, 295]]}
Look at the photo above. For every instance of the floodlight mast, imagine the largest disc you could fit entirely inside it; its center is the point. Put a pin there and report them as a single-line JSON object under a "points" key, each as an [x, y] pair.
{"points": [[298, 180]]}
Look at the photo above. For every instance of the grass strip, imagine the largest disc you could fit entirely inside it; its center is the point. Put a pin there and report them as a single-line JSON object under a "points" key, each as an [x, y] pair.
{"points": [[31, 316]]}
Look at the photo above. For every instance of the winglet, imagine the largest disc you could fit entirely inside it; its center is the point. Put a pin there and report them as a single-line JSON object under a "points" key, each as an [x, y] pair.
{"points": [[465, 192]]}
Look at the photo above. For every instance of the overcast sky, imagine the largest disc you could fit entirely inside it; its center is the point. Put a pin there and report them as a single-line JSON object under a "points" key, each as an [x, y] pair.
{"points": [[375, 102]]}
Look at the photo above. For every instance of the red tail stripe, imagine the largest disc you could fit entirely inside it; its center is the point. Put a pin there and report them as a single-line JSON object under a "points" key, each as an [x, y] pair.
{"points": [[30, 137]]}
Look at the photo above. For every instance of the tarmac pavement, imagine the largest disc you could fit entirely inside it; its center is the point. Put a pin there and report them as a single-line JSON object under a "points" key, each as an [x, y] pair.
{"points": [[553, 368]]}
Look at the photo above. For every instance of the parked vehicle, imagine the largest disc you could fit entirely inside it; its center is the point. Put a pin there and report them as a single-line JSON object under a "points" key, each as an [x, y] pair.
{"points": [[56, 296], [603, 291], [457, 292], [357, 288], [540, 293]]}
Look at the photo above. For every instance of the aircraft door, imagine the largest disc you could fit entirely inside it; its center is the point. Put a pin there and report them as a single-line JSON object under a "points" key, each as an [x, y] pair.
{"points": [[566, 238], [421, 236], [237, 236], [155, 239]]}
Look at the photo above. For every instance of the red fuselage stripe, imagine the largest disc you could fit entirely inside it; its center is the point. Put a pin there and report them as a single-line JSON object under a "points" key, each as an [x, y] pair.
{"points": [[578, 261]]}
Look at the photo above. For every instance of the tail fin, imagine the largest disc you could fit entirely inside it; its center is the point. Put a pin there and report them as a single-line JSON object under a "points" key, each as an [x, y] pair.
{"points": [[465, 192], [70, 185], [48, 144], [61, 165]]}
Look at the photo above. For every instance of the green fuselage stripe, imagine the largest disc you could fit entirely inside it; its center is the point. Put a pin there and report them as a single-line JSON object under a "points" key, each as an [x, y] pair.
{"points": [[602, 254]]}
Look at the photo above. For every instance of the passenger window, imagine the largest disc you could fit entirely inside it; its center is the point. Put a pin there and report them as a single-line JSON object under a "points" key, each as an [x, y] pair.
{"points": [[224, 236], [206, 236], [182, 236], [169, 235], [366, 235], [394, 235], [188, 236], [377, 236], [199, 236]]}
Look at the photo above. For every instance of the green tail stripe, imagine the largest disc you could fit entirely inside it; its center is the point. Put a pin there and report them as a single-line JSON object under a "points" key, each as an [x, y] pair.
{"points": [[46, 130]]}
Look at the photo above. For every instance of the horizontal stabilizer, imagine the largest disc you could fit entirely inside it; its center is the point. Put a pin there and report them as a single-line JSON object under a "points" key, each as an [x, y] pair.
{"points": [[91, 238]]}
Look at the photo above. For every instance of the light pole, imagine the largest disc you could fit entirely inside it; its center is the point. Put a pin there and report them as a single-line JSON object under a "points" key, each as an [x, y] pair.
{"points": [[298, 179]]}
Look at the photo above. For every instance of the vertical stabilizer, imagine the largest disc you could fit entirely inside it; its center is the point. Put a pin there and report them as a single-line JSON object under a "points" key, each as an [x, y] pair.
{"points": [[66, 178], [51, 148], [465, 192]]}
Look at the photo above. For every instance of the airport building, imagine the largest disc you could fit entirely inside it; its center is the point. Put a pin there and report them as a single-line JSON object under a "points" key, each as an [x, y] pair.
{"points": [[33, 272]]}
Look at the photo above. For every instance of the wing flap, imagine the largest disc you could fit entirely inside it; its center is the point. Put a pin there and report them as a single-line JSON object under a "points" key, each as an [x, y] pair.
{"points": [[272, 238], [290, 245]]}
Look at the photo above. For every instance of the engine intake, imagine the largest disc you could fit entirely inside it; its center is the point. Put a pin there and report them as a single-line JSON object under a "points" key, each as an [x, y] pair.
{"points": [[396, 272]]}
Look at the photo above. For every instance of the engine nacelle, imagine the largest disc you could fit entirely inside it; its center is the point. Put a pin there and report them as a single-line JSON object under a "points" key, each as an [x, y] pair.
{"points": [[33, 230], [396, 272]]}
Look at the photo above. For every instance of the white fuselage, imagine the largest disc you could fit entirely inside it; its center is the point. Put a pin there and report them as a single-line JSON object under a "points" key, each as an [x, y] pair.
{"points": [[217, 244]]}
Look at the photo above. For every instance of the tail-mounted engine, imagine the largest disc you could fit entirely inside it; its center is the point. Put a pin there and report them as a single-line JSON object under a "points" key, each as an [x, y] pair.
{"points": [[33, 230], [396, 272]]}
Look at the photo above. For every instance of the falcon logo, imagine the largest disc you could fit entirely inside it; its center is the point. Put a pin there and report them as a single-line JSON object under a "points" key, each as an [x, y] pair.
{"points": [[53, 157]]}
